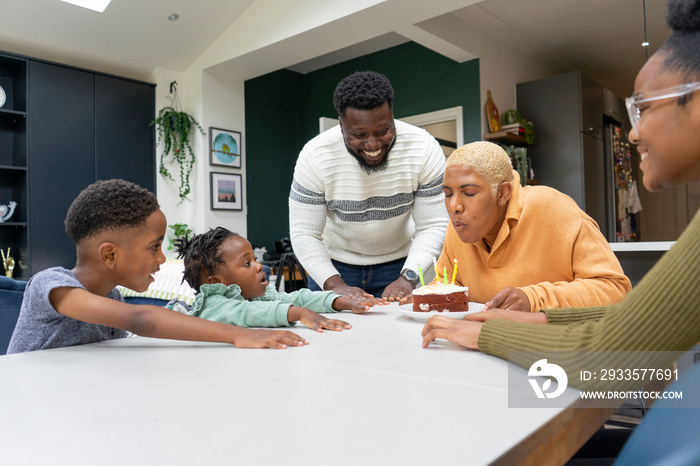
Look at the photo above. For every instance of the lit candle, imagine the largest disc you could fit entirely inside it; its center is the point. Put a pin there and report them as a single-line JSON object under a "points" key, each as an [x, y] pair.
{"points": [[420, 274], [444, 274], [454, 272]]}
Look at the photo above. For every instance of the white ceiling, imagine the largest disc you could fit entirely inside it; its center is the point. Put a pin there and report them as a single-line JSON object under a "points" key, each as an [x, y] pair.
{"points": [[601, 38]]}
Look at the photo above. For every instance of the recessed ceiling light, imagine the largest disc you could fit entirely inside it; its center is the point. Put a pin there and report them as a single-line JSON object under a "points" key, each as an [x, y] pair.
{"points": [[173, 17], [645, 44], [96, 5]]}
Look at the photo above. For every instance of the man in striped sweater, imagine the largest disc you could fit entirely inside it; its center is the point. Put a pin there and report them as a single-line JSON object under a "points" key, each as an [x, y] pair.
{"points": [[366, 207]]}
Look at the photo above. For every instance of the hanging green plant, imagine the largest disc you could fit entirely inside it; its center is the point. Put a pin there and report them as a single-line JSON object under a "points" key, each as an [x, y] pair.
{"points": [[174, 129]]}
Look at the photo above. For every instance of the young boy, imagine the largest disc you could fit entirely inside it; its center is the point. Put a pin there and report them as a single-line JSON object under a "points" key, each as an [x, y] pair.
{"points": [[118, 229]]}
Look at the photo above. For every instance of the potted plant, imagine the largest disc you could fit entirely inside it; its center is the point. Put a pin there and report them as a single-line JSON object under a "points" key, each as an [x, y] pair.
{"points": [[179, 230], [174, 128]]}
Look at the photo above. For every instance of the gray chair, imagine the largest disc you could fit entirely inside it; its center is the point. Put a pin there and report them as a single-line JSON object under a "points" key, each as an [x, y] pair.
{"points": [[669, 432], [11, 293]]}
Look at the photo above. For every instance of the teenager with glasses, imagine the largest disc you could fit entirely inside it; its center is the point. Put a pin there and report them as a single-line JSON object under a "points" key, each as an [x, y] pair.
{"points": [[661, 313]]}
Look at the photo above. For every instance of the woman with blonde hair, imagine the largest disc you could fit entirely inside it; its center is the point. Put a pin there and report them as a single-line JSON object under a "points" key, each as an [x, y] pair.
{"points": [[521, 248]]}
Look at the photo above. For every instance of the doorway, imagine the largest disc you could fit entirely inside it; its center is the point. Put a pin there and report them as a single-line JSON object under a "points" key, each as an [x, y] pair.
{"points": [[444, 125]]}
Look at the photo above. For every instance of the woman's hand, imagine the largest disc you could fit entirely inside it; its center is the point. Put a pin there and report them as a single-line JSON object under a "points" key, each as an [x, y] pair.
{"points": [[517, 316], [314, 320], [461, 332], [357, 306], [509, 298]]}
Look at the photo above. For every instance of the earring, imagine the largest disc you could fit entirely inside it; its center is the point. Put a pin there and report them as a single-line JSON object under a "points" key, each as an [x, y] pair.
{"points": [[500, 203]]}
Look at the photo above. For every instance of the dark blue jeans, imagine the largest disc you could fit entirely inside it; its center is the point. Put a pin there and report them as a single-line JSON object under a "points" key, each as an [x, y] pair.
{"points": [[371, 278]]}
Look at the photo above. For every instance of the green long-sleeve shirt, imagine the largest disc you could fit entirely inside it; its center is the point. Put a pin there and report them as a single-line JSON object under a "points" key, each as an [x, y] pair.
{"points": [[661, 314], [225, 304]]}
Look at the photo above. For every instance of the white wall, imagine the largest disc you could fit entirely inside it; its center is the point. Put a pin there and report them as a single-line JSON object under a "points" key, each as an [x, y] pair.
{"points": [[219, 104], [214, 95], [223, 101], [500, 69], [166, 190]]}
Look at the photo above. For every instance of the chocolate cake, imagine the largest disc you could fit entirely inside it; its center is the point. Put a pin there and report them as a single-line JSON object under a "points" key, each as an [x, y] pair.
{"points": [[441, 298]]}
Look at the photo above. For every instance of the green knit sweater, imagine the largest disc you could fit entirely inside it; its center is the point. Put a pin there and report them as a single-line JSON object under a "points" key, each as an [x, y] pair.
{"points": [[661, 313]]}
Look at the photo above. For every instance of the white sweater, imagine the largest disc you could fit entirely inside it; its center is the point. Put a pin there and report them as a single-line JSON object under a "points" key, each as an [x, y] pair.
{"points": [[338, 211]]}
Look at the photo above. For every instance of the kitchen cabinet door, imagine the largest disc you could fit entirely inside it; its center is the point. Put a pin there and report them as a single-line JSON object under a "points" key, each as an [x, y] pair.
{"points": [[61, 157], [125, 142]]}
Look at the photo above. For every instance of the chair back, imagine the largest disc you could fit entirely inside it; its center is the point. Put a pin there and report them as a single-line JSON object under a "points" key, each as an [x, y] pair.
{"points": [[668, 434], [11, 294]]}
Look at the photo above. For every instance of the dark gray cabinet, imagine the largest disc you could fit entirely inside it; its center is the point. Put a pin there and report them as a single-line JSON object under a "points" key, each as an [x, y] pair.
{"points": [[83, 127], [124, 141], [614, 107], [569, 152], [61, 157]]}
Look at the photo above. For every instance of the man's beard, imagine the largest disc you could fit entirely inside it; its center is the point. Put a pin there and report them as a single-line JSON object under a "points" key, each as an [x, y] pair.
{"points": [[367, 168]]}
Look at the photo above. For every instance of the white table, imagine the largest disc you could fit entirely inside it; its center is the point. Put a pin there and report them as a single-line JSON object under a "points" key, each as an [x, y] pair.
{"points": [[369, 395]]}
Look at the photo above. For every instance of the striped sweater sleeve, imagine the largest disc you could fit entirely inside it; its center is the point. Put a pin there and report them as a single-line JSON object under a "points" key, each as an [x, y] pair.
{"points": [[429, 213], [307, 220]]}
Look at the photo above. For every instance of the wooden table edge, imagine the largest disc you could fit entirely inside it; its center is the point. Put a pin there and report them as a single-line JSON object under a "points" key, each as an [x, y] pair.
{"points": [[561, 437]]}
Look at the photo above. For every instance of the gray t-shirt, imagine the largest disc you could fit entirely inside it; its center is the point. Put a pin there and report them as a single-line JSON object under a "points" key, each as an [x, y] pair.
{"points": [[40, 326]]}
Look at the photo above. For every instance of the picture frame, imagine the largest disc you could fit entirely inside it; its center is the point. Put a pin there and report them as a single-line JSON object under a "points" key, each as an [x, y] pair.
{"points": [[226, 191], [225, 148]]}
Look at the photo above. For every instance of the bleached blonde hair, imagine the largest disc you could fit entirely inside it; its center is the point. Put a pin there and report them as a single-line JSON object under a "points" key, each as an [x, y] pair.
{"points": [[489, 160]]}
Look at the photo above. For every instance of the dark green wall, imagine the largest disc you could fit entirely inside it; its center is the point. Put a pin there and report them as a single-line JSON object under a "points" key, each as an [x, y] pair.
{"points": [[283, 108], [272, 113]]}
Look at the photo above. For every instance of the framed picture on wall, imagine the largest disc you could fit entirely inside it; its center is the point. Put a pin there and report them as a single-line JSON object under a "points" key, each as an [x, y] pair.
{"points": [[224, 148], [226, 191]]}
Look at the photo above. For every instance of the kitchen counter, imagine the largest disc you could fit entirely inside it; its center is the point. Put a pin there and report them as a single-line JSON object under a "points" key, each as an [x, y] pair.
{"points": [[642, 246], [637, 258]]}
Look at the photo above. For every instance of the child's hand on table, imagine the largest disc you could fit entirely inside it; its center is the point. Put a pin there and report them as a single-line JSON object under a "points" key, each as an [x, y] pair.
{"points": [[262, 338], [357, 306], [315, 320], [406, 300]]}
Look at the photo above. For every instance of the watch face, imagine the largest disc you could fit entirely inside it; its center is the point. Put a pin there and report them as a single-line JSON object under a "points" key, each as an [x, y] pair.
{"points": [[3, 97], [410, 275]]}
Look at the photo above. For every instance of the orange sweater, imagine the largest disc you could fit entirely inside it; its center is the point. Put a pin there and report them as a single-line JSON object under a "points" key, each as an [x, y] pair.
{"points": [[547, 247]]}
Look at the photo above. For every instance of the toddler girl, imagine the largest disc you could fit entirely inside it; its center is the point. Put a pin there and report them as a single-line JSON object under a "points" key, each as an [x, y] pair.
{"points": [[231, 287]]}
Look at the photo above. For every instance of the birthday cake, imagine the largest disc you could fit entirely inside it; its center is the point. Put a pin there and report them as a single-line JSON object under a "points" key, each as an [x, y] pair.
{"points": [[441, 298]]}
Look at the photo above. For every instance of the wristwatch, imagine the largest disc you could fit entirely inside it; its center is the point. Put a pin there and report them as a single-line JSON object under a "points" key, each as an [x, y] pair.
{"points": [[410, 276]]}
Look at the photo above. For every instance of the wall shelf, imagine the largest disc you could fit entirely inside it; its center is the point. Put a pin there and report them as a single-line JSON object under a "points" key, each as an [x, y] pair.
{"points": [[13, 160], [504, 137], [6, 113]]}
